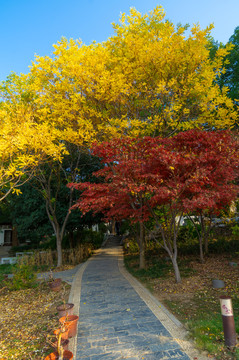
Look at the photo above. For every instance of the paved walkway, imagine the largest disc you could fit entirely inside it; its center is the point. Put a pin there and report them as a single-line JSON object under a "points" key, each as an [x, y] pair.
{"points": [[115, 321]]}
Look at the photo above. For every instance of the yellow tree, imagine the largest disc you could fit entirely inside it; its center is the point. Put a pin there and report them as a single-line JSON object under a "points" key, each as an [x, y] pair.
{"points": [[149, 78], [168, 79], [24, 144], [36, 145], [63, 89], [68, 93], [77, 91]]}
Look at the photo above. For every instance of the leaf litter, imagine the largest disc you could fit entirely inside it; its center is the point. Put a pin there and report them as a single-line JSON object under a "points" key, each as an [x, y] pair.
{"points": [[27, 320]]}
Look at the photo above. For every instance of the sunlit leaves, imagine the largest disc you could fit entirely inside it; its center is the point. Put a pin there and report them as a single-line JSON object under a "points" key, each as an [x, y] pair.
{"points": [[25, 142], [149, 78], [191, 171]]}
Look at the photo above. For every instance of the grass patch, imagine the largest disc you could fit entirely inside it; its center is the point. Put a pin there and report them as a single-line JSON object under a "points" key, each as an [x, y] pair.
{"points": [[6, 269]]}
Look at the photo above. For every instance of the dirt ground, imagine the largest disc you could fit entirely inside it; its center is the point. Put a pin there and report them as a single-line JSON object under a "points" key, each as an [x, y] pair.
{"points": [[215, 267]]}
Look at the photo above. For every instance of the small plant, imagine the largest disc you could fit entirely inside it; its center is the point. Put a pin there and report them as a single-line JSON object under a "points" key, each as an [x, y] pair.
{"points": [[50, 276], [60, 349], [61, 336]]}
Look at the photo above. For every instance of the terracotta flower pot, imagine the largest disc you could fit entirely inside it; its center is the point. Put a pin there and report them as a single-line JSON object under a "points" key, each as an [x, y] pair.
{"points": [[67, 355], [55, 285], [65, 309], [64, 335], [71, 323]]}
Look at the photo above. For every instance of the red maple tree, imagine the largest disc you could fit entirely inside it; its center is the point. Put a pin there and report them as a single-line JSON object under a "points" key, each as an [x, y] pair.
{"points": [[160, 179]]}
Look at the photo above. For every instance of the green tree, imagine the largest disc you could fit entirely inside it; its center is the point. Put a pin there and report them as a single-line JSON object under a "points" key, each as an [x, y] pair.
{"points": [[231, 76], [28, 214], [36, 214], [51, 181]]}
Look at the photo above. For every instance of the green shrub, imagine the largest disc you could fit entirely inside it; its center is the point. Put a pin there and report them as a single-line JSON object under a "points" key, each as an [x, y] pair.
{"points": [[235, 231], [188, 232], [23, 277], [188, 239], [131, 246], [223, 245]]}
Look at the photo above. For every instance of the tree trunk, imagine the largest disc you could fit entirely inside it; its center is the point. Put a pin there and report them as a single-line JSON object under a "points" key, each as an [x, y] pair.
{"points": [[176, 269], [59, 231], [204, 238], [141, 246], [59, 248], [201, 250], [113, 232], [206, 245]]}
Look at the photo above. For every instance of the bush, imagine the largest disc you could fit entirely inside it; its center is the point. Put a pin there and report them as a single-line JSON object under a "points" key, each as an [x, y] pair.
{"points": [[235, 231], [188, 242], [223, 245], [187, 233], [131, 246], [23, 277]]}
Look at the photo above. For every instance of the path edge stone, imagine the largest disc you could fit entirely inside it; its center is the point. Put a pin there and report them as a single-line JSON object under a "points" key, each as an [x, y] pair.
{"points": [[74, 298]]}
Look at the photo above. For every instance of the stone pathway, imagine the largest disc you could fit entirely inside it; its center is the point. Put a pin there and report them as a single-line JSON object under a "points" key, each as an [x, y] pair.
{"points": [[115, 323]]}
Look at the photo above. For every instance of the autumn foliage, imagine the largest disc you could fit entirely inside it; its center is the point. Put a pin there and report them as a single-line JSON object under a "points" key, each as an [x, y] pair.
{"points": [[158, 179], [193, 170], [151, 78]]}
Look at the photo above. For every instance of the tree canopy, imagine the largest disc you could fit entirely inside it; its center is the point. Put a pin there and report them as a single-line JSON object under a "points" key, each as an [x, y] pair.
{"points": [[24, 143], [158, 179], [149, 78]]}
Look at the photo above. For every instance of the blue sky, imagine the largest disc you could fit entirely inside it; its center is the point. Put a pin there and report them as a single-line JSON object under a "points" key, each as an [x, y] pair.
{"points": [[29, 27]]}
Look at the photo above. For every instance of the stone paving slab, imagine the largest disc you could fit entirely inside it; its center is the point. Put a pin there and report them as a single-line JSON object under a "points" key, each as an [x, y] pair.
{"points": [[115, 323]]}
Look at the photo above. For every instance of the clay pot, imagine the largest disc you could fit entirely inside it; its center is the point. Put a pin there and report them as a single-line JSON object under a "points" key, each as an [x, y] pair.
{"points": [[64, 335], [55, 285], [64, 344], [65, 309], [67, 355], [71, 323]]}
